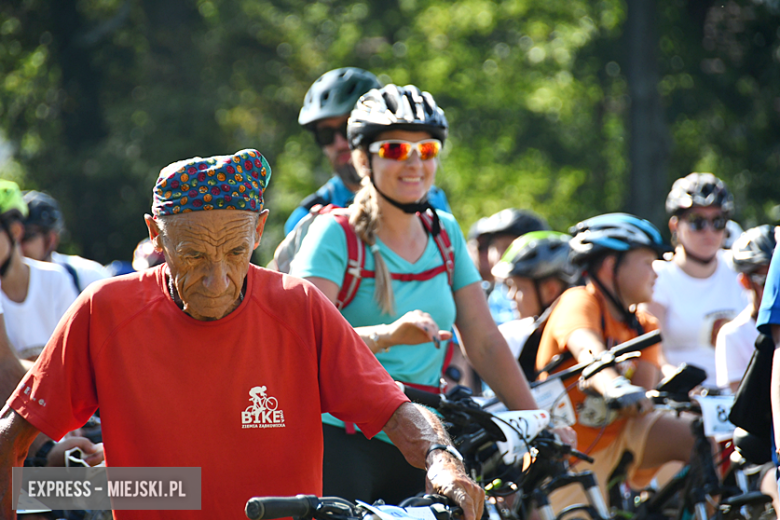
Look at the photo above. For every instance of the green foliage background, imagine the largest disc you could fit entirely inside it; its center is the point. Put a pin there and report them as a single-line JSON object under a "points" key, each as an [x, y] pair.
{"points": [[97, 95]]}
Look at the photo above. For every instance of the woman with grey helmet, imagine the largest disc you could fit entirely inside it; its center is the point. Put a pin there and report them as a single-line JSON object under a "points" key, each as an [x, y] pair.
{"points": [[616, 252], [750, 254], [325, 111], [696, 292], [411, 291]]}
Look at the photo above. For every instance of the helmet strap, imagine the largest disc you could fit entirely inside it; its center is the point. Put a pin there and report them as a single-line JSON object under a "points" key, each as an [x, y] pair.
{"points": [[629, 318], [542, 305], [411, 208], [698, 259]]}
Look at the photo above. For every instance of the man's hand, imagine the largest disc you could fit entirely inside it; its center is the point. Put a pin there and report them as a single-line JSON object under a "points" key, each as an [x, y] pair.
{"points": [[446, 477], [93, 453]]}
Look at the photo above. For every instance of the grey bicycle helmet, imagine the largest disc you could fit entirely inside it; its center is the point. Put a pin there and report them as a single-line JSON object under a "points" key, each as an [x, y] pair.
{"points": [[538, 255], [44, 211], [699, 190], [753, 249], [334, 94], [394, 107], [613, 232]]}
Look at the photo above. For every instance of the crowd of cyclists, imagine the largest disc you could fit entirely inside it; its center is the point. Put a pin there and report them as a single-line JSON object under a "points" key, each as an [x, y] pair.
{"points": [[512, 302]]}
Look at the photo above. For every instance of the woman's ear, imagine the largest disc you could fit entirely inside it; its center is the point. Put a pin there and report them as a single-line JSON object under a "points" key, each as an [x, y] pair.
{"points": [[673, 223], [360, 162], [744, 281]]}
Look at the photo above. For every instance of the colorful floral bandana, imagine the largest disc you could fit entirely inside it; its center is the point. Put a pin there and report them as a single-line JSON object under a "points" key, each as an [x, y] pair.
{"points": [[222, 182]]}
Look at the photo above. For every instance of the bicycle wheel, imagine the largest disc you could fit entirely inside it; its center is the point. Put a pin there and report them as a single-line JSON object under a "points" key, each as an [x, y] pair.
{"points": [[271, 403]]}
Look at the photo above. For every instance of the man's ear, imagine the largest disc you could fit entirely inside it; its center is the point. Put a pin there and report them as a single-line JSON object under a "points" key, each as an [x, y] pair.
{"points": [[260, 226], [155, 234]]}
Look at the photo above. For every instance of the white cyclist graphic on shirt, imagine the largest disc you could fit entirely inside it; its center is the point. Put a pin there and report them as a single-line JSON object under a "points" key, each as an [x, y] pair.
{"points": [[263, 411], [260, 401]]}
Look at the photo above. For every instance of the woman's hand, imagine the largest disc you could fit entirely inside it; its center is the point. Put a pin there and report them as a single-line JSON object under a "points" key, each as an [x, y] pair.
{"points": [[414, 328]]}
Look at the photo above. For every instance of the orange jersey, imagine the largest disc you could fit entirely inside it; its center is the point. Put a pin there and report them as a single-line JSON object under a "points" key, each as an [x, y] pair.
{"points": [[586, 308]]}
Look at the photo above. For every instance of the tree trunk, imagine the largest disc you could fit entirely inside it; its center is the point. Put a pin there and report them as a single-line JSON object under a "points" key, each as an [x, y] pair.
{"points": [[648, 141]]}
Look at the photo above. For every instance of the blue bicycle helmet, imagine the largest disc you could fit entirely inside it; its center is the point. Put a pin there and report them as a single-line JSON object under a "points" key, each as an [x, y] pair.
{"points": [[613, 233]]}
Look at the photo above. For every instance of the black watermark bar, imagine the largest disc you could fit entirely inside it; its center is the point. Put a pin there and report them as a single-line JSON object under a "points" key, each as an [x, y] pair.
{"points": [[106, 488]]}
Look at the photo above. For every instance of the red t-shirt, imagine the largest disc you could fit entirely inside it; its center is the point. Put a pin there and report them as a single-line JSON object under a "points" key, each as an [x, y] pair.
{"points": [[174, 391]]}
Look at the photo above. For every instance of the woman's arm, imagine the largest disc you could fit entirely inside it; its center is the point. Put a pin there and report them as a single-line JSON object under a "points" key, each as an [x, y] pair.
{"points": [[487, 350], [412, 328]]}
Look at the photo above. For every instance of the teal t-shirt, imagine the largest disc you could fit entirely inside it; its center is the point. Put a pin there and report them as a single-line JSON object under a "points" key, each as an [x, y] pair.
{"points": [[323, 254]]}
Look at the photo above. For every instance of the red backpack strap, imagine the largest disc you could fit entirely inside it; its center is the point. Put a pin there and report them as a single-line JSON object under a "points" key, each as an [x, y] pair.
{"points": [[356, 260], [442, 240]]}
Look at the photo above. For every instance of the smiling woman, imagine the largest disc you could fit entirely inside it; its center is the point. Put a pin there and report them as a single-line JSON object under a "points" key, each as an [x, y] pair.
{"points": [[412, 290]]}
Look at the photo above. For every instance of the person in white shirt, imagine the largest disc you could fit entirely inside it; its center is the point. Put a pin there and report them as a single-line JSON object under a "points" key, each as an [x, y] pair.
{"points": [[43, 227], [536, 270], [696, 291], [750, 256], [34, 294]]}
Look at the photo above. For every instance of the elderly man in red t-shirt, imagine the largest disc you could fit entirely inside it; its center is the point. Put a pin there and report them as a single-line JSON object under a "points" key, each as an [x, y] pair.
{"points": [[208, 361]]}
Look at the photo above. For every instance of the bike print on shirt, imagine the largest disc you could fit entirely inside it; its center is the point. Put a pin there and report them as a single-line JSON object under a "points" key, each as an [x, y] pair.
{"points": [[263, 411]]}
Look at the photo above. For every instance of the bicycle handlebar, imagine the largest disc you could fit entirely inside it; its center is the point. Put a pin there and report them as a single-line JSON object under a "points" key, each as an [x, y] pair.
{"points": [[428, 399], [265, 508], [606, 359]]}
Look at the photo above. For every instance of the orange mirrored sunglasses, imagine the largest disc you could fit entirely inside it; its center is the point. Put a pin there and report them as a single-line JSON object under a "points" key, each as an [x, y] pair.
{"points": [[399, 150]]}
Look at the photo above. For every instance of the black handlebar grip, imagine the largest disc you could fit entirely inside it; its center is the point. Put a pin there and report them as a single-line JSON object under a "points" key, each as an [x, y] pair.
{"points": [[265, 508], [421, 396], [638, 343]]}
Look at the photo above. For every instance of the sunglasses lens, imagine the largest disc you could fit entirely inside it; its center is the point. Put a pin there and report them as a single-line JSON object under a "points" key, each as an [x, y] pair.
{"points": [[697, 223], [428, 149], [325, 135], [395, 151]]}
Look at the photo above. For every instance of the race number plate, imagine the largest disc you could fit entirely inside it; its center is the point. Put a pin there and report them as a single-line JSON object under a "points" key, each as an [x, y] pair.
{"points": [[552, 396], [715, 415]]}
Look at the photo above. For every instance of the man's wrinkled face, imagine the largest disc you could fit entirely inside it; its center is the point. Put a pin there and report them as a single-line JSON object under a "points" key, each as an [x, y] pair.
{"points": [[208, 255]]}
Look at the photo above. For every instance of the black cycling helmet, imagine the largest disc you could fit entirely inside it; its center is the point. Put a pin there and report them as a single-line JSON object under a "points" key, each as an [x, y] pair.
{"points": [[44, 212], [699, 190], [753, 249], [334, 94], [513, 221], [613, 233], [397, 108], [538, 255]]}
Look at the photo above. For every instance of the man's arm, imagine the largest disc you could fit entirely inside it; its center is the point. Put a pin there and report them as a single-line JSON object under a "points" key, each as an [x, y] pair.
{"points": [[414, 429], [775, 386], [11, 369], [16, 436]]}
